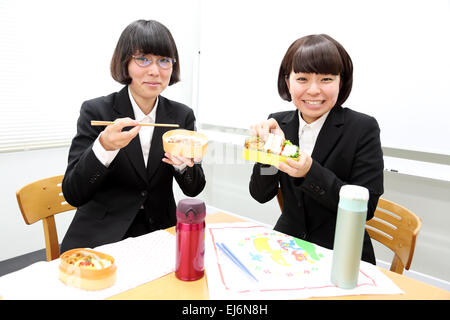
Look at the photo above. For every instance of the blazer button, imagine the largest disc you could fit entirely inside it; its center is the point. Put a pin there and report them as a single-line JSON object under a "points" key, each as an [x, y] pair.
{"points": [[144, 193]]}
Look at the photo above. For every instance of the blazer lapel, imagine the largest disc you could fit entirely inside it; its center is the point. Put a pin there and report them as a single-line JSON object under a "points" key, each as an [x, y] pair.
{"points": [[329, 134], [133, 150], [289, 124], [156, 154]]}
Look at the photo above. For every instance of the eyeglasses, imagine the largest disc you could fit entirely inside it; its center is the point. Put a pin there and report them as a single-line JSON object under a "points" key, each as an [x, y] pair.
{"points": [[164, 63]]}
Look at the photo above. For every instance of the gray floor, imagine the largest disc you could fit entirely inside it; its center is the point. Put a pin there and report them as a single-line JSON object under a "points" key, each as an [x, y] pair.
{"points": [[17, 263]]}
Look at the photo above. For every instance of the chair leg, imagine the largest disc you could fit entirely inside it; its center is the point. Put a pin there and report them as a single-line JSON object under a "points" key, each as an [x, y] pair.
{"points": [[51, 238], [397, 265]]}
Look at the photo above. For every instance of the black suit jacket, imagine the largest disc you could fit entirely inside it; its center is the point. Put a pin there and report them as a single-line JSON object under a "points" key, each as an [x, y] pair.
{"points": [[347, 151], [108, 199]]}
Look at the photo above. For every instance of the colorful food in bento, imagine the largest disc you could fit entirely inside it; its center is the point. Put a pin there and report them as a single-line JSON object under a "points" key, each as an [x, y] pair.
{"points": [[274, 145], [86, 259], [270, 152], [87, 269]]}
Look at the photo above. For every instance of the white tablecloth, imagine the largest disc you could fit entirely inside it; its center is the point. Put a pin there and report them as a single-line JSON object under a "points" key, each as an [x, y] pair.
{"points": [[138, 260]]}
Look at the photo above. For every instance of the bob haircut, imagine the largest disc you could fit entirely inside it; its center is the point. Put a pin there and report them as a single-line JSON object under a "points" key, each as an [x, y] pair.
{"points": [[143, 37], [317, 54]]}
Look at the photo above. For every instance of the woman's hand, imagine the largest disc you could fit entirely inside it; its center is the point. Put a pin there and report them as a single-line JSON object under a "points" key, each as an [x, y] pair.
{"points": [[263, 128], [297, 169], [113, 138], [178, 160]]}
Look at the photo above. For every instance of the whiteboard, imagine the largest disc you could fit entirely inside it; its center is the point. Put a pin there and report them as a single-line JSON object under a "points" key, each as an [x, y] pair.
{"points": [[400, 50]]}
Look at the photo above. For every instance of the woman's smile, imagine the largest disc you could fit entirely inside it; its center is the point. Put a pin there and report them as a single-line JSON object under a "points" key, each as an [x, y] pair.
{"points": [[152, 84], [314, 101], [313, 94]]}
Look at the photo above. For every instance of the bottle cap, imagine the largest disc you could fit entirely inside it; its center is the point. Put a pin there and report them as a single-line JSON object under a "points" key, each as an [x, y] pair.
{"points": [[353, 192], [353, 198], [191, 211]]}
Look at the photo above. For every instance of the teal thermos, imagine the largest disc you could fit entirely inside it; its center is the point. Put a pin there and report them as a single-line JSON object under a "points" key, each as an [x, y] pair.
{"points": [[349, 236]]}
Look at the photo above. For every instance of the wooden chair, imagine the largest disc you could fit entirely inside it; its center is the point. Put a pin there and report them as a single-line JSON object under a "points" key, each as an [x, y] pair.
{"points": [[397, 228], [393, 226], [41, 200]]}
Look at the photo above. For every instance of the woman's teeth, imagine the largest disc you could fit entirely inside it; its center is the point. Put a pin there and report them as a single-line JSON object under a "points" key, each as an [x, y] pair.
{"points": [[313, 102]]}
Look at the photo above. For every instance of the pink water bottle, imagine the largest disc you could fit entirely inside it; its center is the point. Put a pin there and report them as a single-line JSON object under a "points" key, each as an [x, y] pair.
{"points": [[190, 236]]}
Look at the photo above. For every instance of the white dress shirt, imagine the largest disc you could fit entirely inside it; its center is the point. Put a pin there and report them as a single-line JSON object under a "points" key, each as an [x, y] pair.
{"points": [[308, 132], [145, 133]]}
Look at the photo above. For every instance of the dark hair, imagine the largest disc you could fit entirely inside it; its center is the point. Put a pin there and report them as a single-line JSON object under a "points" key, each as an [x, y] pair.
{"points": [[317, 54], [144, 37]]}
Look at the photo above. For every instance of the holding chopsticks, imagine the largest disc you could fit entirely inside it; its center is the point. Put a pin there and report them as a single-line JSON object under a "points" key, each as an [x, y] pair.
{"points": [[107, 123], [119, 171]]}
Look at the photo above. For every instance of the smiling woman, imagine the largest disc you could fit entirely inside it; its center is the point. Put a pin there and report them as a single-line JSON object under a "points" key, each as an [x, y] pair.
{"points": [[138, 40], [337, 146], [313, 94], [119, 179], [150, 75], [311, 56]]}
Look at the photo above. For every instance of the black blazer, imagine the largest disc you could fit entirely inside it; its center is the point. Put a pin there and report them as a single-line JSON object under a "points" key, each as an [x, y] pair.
{"points": [[108, 199], [347, 151]]}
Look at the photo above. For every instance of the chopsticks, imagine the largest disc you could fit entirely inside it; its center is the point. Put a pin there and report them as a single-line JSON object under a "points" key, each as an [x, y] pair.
{"points": [[107, 123]]}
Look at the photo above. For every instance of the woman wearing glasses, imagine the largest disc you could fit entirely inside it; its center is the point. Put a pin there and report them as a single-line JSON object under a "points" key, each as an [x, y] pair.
{"points": [[118, 176], [337, 145]]}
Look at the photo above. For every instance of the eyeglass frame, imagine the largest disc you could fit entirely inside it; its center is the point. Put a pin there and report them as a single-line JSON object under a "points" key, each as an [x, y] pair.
{"points": [[173, 61]]}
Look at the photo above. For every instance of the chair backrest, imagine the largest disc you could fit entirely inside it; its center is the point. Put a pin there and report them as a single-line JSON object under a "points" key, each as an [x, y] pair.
{"points": [[41, 200], [393, 226], [397, 228]]}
